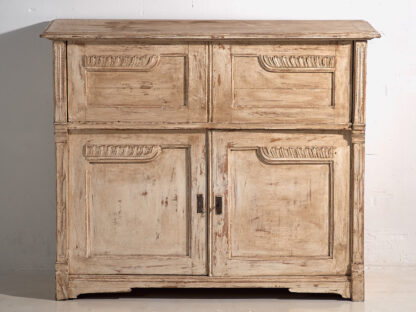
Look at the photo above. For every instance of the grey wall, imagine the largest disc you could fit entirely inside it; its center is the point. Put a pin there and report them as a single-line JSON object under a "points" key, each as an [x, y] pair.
{"points": [[27, 192]]}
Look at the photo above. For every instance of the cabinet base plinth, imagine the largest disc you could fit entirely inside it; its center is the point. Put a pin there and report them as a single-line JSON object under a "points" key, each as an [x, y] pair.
{"points": [[83, 284]]}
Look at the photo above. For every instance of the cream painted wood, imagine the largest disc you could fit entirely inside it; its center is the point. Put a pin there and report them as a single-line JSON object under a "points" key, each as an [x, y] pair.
{"points": [[282, 83], [61, 157], [134, 203], [148, 83], [209, 154], [80, 284], [357, 151], [202, 30], [285, 204]]}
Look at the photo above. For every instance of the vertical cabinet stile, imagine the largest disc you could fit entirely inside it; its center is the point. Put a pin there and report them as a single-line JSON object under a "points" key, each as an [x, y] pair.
{"points": [[61, 160], [358, 154]]}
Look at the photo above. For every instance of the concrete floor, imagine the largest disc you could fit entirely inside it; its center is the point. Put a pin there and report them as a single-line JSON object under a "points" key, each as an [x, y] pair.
{"points": [[387, 289]]}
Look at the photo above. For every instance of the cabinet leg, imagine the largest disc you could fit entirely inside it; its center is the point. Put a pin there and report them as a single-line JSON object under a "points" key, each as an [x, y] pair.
{"points": [[357, 283], [61, 280]]}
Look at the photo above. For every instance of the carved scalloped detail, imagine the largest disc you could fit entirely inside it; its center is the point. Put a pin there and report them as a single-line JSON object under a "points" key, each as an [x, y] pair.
{"points": [[138, 62], [271, 154], [129, 153], [273, 63]]}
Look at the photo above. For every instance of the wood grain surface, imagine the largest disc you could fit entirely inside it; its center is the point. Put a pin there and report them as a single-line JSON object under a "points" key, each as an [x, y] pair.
{"points": [[209, 154], [73, 29]]}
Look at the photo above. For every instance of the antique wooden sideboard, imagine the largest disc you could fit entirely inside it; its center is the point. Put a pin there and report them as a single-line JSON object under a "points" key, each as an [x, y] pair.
{"points": [[209, 154]]}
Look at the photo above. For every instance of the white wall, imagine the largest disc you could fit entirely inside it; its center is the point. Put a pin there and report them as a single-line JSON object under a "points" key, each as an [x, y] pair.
{"points": [[26, 155]]}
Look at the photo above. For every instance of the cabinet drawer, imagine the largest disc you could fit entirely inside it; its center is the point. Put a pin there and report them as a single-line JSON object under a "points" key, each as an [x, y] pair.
{"points": [[148, 83], [284, 83]]}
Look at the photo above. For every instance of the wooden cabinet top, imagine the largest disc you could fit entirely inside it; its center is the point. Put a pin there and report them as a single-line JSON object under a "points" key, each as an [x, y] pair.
{"points": [[194, 30]]}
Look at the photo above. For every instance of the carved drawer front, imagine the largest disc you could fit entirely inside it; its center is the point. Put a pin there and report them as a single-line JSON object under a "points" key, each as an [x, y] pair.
{"points": [[133, 203], [148, 83], [285, 204], [282, 83]]}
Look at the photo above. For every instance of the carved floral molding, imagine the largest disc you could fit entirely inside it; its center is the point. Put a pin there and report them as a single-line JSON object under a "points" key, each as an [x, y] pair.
{"points": [[272, 153], [273, 63], [132, 153], [143, 62]]}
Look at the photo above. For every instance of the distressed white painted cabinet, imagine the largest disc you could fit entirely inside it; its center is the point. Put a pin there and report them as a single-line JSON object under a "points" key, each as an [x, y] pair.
{"points": [[209, 154]]}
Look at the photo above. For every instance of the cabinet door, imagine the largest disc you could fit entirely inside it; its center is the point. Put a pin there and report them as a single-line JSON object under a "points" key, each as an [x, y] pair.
{"points": [[293, 84], [285, 204], [137, 82], [136, 203]]}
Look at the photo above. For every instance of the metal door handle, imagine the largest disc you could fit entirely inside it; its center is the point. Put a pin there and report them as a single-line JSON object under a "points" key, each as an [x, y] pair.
{"points": [[199, 203], [218, 204]]}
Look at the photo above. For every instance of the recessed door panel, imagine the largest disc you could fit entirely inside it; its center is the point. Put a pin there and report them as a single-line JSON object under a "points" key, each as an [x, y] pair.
{"points": [[287, 215], [140, 208]]}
